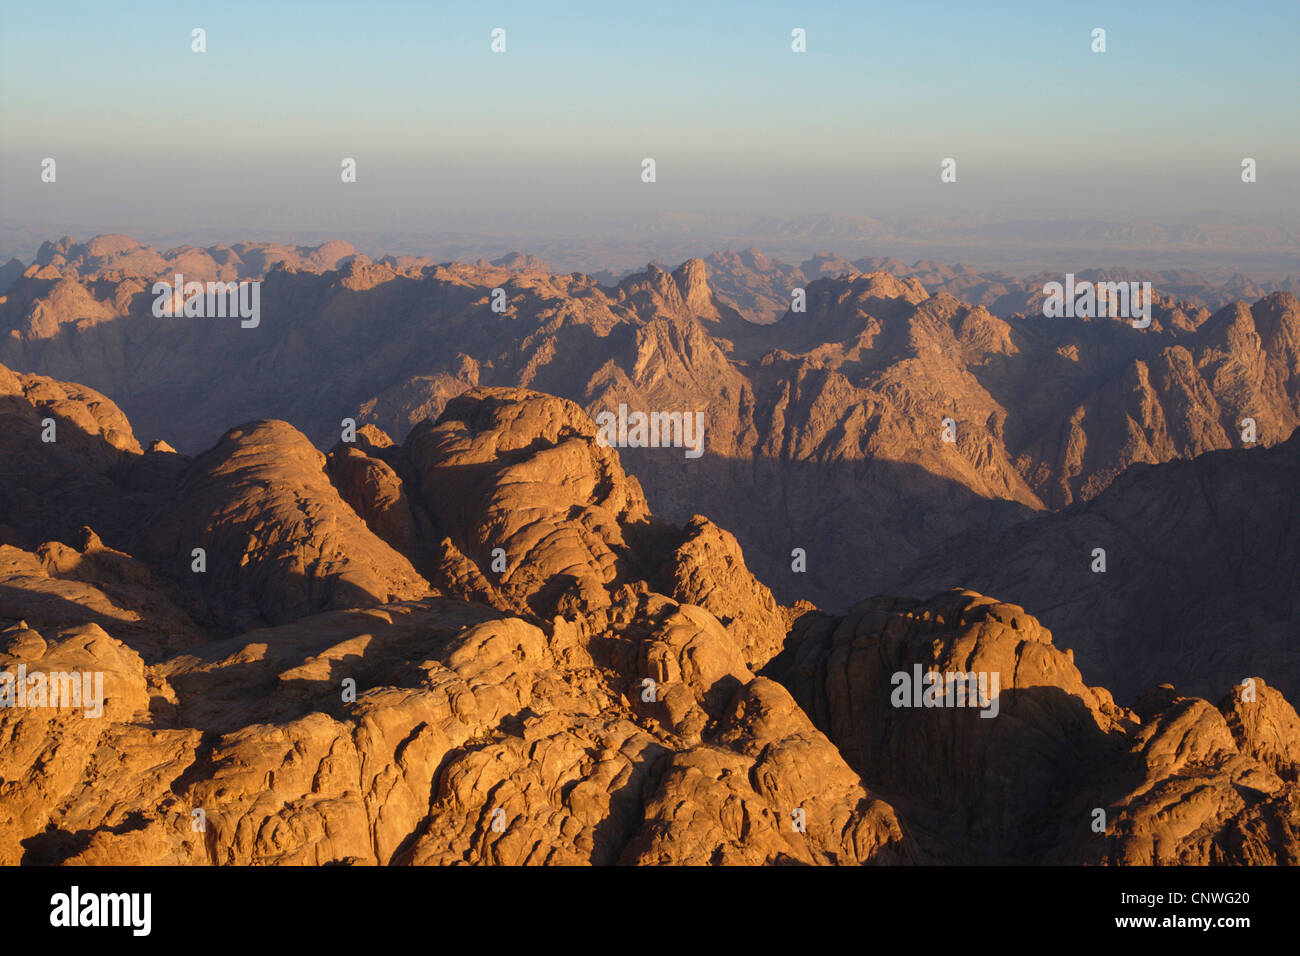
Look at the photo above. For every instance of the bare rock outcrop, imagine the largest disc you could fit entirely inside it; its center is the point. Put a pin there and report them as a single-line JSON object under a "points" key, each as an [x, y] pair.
{"points": [[708, 569], [1040, 767], [518, 481], [278, 541]]}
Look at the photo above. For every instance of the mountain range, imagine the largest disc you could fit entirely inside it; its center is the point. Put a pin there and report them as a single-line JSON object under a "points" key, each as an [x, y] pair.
{"points": [[479, 645], [824, 429]]}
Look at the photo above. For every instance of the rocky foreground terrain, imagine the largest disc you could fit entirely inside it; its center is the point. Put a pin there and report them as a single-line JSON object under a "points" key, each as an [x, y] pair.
{"points": [[479, 645]]}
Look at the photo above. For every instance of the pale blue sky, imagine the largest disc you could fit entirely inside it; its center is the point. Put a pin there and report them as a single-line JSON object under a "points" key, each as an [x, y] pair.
{"points": [[252, 132]]}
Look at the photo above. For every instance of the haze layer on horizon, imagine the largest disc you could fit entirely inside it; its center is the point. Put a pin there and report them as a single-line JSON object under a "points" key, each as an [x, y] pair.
{"points": [[753, 143]]}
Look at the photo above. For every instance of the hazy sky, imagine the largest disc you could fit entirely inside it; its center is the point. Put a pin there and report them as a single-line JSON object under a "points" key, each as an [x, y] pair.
{"points": [[550, 135]]}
